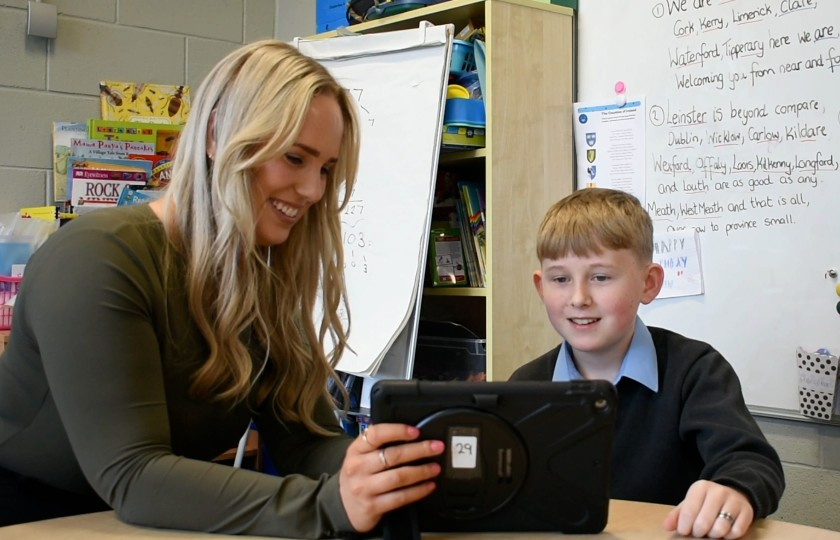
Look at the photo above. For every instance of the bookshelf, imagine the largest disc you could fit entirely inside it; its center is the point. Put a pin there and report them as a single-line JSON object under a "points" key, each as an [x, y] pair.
{"points": [[526, 166]]}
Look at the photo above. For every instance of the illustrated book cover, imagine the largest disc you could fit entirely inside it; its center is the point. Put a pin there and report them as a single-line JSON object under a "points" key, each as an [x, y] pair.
{"points": [[103, 148], [144, 102], [63, 135], [163, 136], [446, 257], [84, 173]]}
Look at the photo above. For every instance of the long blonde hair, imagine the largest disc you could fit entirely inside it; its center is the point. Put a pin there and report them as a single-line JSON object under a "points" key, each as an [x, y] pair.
{"points": [[255, 101]]}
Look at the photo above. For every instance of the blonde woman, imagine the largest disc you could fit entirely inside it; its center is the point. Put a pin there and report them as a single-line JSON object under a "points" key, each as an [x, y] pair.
{"points": [[146, 337]]}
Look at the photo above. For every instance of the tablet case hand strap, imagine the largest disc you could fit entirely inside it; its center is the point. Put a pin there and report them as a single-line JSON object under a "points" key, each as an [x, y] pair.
{"points": [[401, 524]]}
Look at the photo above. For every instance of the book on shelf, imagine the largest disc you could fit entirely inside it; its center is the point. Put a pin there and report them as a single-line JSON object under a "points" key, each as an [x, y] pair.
{"points": [[118, 130], [132, 194], [166, 139], [97, 174], [90, 193], [459, 203], [144, 102], [83, 171], [161, 169], [62, 137], [103, 148], [472, 193], [75, 164], [473, 271], [446, 257], [479, 236], [163, 136]]}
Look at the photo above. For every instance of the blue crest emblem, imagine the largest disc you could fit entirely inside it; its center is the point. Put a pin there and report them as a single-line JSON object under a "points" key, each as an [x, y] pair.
{"points": [[590, 139], [591, 171]]}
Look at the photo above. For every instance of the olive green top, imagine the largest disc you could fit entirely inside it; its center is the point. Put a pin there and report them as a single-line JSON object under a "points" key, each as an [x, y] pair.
{"points": [[93, 394]]}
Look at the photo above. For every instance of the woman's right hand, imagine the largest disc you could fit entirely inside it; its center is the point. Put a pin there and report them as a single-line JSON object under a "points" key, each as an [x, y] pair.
{"points": [[378, 474]]}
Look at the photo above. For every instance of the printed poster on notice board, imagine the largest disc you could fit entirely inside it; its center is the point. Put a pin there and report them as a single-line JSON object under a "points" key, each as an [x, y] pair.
{"points": [[610, 146]]}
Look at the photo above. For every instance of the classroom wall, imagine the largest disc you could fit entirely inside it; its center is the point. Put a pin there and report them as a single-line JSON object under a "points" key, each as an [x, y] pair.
{"points": [[295, 18], [164, 41], [810, 454]]}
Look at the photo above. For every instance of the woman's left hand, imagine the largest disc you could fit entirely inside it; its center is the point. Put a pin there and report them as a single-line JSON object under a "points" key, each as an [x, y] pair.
{"points": [[713, 510], [379, 474]]}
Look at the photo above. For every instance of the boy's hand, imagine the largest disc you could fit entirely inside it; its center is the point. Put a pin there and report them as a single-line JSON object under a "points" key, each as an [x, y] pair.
{"points": [[713, 510]]}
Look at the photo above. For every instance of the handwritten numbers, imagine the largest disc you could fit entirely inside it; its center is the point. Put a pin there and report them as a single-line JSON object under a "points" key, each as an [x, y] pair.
{"points": [[464, 451], [357, 94], [355, 239], [656, 115]]}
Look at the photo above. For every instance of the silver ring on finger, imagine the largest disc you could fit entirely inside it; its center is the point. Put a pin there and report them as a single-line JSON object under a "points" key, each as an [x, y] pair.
{"points": [[384, 459], [727, 516], [364, 436]]}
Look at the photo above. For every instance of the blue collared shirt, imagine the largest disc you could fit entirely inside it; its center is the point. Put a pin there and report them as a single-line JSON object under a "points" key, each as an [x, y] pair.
{"points": [[639, 363]]}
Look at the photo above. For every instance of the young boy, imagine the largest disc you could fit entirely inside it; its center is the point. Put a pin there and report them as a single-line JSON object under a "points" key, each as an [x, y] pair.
{"points": [[683, 435]]}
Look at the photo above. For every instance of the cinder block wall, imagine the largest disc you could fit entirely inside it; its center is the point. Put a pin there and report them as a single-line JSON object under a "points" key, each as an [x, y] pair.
{"points": [[810, 454], [42, 80]]}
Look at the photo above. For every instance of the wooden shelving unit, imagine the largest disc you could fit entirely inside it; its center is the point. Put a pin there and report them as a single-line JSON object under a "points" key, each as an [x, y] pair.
{"points": [[526, 165]]}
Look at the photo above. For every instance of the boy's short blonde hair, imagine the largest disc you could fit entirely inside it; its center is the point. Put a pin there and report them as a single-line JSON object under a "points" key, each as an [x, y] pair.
{"points": [[593, 219]]}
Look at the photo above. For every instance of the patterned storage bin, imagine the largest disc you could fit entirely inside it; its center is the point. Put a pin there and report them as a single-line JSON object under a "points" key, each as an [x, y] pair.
{"points": [[8, 289]]}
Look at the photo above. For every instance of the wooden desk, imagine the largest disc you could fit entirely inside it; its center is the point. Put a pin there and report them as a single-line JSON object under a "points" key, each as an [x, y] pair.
{"points": [[628, 521]]}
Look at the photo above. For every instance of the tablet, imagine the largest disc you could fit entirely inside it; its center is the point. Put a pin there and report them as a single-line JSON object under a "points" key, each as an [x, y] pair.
{"points": [[520, 455]]}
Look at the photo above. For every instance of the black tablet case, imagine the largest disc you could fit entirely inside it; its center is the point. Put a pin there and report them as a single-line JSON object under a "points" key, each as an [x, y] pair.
{"points": [[544, 454]]}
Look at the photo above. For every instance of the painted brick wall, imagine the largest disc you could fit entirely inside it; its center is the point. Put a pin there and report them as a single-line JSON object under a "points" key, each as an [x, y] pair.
{"points": [[165, 41]]}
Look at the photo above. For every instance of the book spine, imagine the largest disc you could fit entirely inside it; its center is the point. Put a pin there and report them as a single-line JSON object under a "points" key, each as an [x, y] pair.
{"points": [[107, 148], [98, 174], [94, 191], [467, 245]]}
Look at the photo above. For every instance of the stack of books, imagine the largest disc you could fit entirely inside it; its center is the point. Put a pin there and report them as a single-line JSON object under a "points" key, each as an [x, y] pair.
{"points": [[457, 241], [124, 157]]}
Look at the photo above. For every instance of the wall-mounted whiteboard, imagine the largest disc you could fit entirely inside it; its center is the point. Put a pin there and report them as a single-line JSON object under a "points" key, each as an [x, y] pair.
{"points": [[399, 82], [743, 144]]}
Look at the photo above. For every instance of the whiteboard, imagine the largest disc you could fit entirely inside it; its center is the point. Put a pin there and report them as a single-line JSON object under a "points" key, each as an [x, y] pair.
{"points": [[743, 144], [398, 80]]}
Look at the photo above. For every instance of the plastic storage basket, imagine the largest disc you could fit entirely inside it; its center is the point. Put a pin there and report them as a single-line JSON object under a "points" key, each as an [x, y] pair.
{"points": [[8, 288], [463, 58], [448, 351]]}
